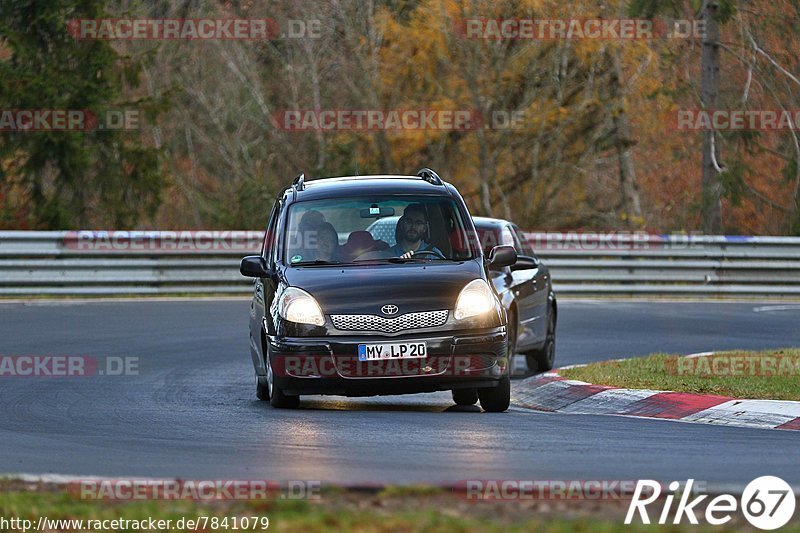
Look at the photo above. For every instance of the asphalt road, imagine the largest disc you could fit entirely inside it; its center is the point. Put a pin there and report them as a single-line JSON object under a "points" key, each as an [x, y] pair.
{"points": [[191, 410]]}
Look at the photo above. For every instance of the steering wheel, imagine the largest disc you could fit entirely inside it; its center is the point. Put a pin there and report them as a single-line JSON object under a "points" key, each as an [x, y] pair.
{"points": [[435, 253]]}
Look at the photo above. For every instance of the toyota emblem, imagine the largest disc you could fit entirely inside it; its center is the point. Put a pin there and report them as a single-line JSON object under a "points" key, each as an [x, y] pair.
{"points": [[389, 309]]}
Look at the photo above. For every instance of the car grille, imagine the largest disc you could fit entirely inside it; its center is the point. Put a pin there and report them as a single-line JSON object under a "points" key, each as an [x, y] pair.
{"points": [[425, 319]]}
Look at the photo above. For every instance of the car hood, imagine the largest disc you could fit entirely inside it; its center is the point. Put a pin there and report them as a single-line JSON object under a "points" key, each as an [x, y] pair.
{"points": [[412, 287]]}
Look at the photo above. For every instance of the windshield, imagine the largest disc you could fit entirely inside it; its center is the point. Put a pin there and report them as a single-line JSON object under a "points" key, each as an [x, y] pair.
{"points": [[370, 228]]}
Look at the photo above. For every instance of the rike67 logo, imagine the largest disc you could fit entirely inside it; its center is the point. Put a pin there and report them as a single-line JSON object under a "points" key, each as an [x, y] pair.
{"points": [[767, 502]]}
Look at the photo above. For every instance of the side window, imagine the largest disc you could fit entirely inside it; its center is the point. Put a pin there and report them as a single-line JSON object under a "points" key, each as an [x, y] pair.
{"points": [[507, 238], [270, 234], [524, 246]]}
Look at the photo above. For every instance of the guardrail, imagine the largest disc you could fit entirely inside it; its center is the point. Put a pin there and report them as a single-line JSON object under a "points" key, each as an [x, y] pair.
{"points": [[206, 262]]}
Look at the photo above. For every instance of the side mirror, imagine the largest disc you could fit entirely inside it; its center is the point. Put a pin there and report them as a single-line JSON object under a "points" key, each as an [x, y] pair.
{"points": [[502, 256], [254, 266], [525, 262]]}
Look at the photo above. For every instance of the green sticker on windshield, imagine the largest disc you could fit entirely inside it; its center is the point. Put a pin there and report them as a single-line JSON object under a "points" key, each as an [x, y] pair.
{"points": [[296, 258]]}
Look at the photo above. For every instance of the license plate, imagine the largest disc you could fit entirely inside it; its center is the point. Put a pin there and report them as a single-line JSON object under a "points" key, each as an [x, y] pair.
{"points": [[400, 350]]}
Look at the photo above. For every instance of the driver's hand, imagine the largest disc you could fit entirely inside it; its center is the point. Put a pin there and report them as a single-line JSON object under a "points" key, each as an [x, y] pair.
{"points": [[407, 255]]}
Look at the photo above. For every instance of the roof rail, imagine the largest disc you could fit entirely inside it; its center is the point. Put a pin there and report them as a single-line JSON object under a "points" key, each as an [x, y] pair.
{"points": [[430, 176], [299, 182]]}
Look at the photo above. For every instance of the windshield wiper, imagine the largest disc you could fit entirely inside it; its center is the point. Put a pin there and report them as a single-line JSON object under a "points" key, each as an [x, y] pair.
{"points": [[317, 262], [406, 259]]}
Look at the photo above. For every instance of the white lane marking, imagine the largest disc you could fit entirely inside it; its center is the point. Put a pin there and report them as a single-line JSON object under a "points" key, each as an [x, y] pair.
{"points": [[771, 308], [582, 301], [578, 365], [64, 479], [701, 354]]}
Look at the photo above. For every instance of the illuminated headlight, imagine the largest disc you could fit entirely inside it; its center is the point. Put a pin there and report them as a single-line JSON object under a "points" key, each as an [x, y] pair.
{"points": [[296, 305], [475, 299]]}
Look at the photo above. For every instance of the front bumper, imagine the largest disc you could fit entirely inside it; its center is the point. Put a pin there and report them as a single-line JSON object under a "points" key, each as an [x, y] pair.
{"points": [[330, 365]]}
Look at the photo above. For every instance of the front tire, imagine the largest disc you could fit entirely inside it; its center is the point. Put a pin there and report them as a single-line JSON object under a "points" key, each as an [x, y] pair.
{"points": [[496, 399], [280, 400], [465, 396], [275, 394], [262, 388]]}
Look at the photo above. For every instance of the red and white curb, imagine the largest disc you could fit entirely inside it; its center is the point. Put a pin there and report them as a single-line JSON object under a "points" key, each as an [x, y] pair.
{"points": [[554, 393]]}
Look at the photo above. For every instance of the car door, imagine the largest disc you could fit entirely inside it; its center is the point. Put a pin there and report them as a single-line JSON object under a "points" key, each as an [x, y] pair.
{"points": [[531, 300], [263, 290], [520, 287]]}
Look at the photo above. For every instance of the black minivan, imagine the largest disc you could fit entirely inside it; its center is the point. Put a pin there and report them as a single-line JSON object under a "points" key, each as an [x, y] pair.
{"points": [[340, 308]]}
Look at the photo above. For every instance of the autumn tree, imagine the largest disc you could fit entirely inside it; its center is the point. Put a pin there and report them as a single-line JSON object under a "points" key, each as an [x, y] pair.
{"points": [[69, 179]]}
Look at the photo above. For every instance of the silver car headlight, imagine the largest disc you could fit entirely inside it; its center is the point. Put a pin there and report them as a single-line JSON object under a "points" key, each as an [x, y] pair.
{"points": [[476, 298], [296, 305]]}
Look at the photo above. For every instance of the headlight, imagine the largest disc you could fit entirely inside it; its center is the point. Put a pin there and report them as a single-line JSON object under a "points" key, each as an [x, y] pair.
{"points": [[475, 299], [296, 305]]}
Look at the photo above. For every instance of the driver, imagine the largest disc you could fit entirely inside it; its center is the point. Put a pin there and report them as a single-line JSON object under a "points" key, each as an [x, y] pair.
{"points": [[412, 229]]}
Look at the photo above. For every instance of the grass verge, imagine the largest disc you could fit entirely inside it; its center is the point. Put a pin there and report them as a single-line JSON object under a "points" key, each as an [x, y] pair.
{"points": [[393, 509], [770, 375]]}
